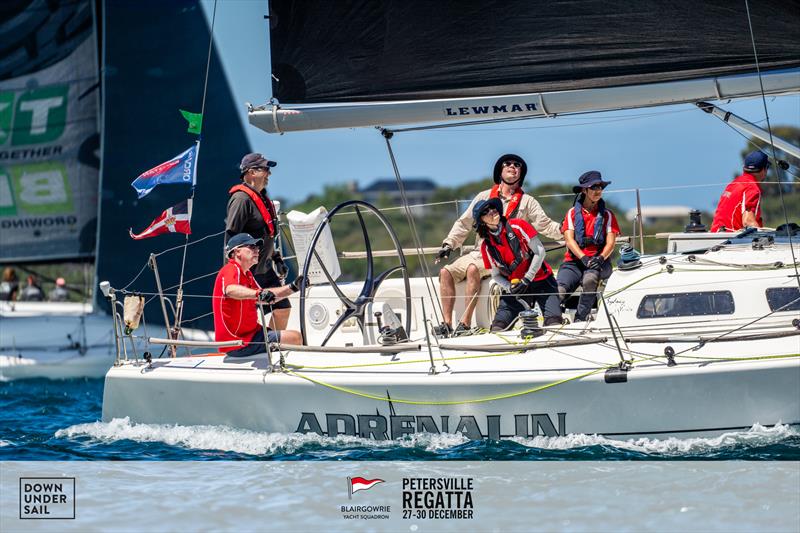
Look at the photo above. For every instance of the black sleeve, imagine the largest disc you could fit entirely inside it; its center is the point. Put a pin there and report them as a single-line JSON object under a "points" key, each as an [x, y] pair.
{"points": [[238, 215]]}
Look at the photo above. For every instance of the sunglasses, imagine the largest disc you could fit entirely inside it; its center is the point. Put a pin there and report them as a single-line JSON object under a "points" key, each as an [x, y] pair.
{"points": [[490, 211], [515, 164], [597, 187]]}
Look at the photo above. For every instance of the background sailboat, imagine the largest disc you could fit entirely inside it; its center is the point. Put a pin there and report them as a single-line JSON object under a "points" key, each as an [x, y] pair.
{"points": [[120, 72]]}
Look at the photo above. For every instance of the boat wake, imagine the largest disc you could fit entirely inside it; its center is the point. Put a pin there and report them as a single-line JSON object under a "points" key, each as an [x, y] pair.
{"points": [[706, 447], [428, 446]]}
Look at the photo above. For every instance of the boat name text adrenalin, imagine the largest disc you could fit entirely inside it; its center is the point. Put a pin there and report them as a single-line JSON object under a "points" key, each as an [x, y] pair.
{"points": [[378, 427]]}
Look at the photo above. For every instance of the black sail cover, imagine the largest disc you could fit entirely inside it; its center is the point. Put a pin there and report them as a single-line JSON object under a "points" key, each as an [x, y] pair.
{"points": [[370, 50]]}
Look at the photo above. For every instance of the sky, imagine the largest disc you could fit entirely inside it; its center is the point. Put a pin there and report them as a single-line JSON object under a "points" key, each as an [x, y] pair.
{"points": [[649, 149]]}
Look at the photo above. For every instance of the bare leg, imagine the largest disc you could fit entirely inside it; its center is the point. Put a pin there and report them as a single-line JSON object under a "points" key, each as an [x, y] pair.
{"points": [[290, 336], [279, 319], [447, 289], [471, 292]]}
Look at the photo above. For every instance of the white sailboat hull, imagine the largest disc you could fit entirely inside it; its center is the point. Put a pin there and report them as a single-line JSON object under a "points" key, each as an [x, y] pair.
{"points": [[701, 368], [61, 344], [690, 399]]}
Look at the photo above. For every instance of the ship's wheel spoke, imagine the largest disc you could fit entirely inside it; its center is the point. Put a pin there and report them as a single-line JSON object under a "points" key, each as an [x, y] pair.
{"points": [[344, 299], [356, 308]]}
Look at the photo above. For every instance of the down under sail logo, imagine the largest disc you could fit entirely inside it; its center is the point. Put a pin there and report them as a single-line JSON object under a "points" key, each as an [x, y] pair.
{"points": [[355, 484]]}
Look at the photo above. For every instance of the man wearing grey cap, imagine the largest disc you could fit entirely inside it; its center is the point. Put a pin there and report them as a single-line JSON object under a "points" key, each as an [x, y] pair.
{"points": [[251, 211]]}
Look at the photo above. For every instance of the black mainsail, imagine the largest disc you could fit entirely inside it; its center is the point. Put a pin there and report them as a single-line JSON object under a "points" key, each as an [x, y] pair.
{"points": [[362, 51]]}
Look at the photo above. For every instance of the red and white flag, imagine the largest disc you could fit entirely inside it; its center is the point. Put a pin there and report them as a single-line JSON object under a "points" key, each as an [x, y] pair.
{"points": [[174, 220], [359, 483]]}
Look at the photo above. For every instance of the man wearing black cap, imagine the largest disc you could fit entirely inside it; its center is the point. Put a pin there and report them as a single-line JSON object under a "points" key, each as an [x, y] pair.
{"points": [[590, 232], [251, 211], [509, 175], [740, 204], [236, 294]]}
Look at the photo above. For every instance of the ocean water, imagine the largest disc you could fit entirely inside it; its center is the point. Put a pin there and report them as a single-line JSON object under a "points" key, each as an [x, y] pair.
{"points": [[42, 420]]}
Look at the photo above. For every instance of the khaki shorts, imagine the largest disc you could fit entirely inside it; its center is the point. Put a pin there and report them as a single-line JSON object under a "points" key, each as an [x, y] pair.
{"points": [[458, 268]]}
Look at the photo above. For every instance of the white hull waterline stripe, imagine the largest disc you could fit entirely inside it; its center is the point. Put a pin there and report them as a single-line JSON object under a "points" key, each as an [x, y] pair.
{"points": [[275, 119]]}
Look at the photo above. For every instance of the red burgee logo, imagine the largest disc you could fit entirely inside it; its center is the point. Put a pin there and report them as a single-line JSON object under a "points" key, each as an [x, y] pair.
{"points": [[355, 484], [162, 168]]}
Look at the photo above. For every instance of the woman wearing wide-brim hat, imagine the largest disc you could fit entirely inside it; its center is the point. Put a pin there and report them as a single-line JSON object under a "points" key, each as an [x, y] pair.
{"points": [[590, 231]]}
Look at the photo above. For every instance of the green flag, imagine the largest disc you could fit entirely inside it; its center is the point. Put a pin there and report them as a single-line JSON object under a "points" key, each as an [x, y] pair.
{"points": [[195, 121]]}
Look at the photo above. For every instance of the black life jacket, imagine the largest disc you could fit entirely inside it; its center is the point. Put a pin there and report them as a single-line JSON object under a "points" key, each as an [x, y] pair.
{"points": [[518, 247]]}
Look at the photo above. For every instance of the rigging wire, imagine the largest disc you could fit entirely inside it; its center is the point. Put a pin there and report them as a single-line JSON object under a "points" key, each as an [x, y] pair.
{"points": [[179, 311], [772, 145], [387, 135]]}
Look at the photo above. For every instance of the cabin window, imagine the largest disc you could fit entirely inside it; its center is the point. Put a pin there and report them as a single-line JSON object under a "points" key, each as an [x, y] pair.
{"points": [[779, 297], [686, 304]]}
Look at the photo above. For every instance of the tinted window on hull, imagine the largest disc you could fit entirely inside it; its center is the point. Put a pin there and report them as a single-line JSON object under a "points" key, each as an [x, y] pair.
{"points": [[686, 304], [784, 298]]}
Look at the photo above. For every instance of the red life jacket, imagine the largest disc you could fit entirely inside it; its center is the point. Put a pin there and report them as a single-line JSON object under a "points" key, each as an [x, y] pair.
{"points": [[266, 209], [513, 203]]}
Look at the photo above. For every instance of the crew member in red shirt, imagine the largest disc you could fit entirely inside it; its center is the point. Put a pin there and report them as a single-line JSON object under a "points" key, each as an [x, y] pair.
{"points": [[590, 232], [740, 204], [515, 256], [236, 294]]}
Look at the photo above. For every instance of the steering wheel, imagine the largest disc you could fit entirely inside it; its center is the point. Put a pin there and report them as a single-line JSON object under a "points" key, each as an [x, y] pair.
{"points": [[355, 308]]}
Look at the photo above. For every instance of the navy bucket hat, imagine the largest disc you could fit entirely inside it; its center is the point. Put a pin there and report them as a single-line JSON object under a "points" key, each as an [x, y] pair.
{"points": [[588, 179], [498, 167]]}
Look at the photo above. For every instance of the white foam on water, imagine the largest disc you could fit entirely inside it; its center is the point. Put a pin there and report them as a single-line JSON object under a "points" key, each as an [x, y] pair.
{"points": [[757, 435], [259, 443], [4, 443], [243, 441]]}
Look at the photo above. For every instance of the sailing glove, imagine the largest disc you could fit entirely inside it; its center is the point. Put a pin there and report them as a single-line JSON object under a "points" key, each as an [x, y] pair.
{"points": [[297, 283], [279, 266], [596, 262], [265, 296], [521, 287], [444, 253], [585, 260]]}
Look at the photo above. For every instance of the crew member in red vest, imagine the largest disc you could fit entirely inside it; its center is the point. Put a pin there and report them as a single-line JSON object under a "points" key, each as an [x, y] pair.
{"points": [[236, 294], [509, 175], [251, 211], [740, 204], [590, 231], [514, 254]]}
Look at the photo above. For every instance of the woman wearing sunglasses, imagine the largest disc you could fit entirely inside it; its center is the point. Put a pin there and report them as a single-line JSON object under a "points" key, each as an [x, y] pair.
{"points": [[513, 253], [590, 231]]}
